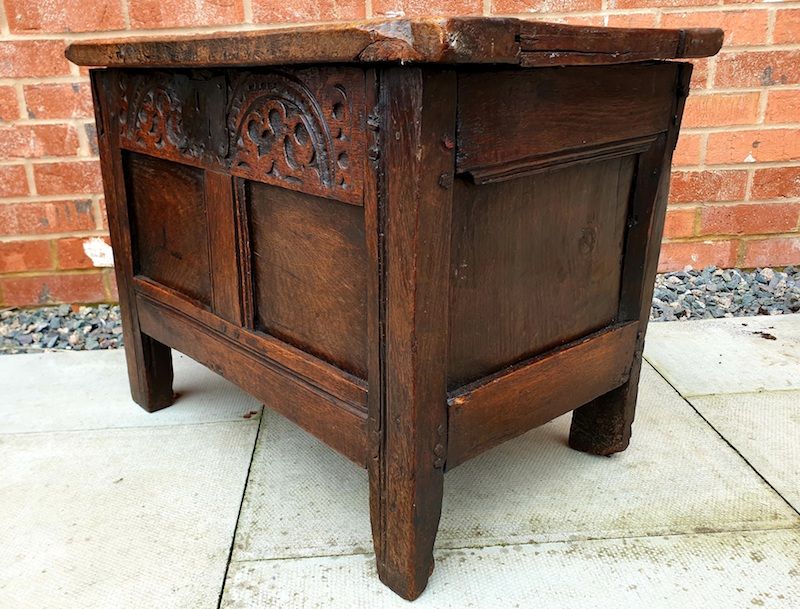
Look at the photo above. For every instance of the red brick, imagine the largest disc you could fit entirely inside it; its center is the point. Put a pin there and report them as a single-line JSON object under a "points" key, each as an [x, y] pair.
{"points": [[741, 27], [26, 16], [679, 223], [111, 281], [698, 254], [103, 214], [720, 110], [77, 288], [612, 4], [18, 256], [526, 6], [39, 218], [699, 74], [182, 13], [9, 104], [787, 26], [631, 20], [776, 182], [761, 146], [749, 219], [59, 100], [757, 68], [702, 186], [33, 141], [68, 178], [13, 182], [71, 254], [783, 107], [777, 251], [687, 152], [269, 11], [595, 20], [29, 58]]}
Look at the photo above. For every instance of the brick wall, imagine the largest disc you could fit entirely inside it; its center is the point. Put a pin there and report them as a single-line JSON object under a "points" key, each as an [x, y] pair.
{"points": [[735, 189]]}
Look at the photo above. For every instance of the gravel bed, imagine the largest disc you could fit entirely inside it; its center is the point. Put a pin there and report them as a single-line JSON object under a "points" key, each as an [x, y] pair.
{"points": [[681, 295], [60, 327], [713, 293]]}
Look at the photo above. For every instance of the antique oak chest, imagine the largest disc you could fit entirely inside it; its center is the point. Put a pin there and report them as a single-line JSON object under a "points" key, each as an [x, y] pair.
{"points": [[414, 238]]}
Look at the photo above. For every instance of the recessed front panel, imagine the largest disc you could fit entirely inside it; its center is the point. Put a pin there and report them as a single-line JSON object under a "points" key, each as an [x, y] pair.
{"points": [[308, 263], [536, 262], [170, 230]]}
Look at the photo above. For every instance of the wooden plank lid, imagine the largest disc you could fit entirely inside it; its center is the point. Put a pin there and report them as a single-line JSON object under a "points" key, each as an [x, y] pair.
{"points": [[457, 40]]}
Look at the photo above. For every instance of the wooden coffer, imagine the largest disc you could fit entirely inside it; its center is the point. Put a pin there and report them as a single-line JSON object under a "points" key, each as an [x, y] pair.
{"points": [[412, 262]]}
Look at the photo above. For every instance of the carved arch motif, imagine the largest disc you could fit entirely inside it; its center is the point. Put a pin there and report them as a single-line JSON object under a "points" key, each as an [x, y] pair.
{"points": [[283, 133]]}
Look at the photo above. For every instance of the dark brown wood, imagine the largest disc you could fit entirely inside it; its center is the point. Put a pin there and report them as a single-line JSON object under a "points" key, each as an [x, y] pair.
{"points": [[167, 202], [415, 130], [308, 264], [535, 263], [293, 361], [221, 212], [543, 44], [603, 426], [607, 106], [511, 402], [453, 40], [335, 422], [412, 262], [149, 362]]}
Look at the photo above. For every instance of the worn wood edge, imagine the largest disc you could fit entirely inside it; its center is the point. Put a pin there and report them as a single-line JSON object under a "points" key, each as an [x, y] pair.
{"points": [[289, 360], [331, 420], [509, 170], [555, 44], [444, 40], [510, 402]]}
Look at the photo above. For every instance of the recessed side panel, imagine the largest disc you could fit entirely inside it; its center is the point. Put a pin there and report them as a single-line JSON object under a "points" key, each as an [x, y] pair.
{"points": [[308, 265], [536, 262], [169, 225]]}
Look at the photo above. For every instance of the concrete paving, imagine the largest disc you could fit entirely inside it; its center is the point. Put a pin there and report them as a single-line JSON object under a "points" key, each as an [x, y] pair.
{"points": [[103, 505]]}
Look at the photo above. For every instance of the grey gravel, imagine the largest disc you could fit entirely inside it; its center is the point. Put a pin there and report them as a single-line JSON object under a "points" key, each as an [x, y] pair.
{"points": [[688, 294], [60, 327], [713, 293]]}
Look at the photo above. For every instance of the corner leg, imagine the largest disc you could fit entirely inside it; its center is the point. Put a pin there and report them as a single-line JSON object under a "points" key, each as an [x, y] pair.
{"points": [[149, 370], [408, 228], [405, 507], [603, 426]]}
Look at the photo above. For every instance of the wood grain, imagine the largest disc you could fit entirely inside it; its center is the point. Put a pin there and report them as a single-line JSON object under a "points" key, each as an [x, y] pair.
{"points": [[289, 359], [167, 202], [226, 285], [408, 414], [453, 40], [606, 105], [603, 426], [308, 264], [149, 362], [334, 422], [535, 263], [511, 402]]}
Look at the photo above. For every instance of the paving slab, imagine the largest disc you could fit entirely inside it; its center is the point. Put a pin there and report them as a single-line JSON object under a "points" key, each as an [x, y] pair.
{"points": [[712, 571], [60, 391], [765, 429], [736, 355], [120, 518], [678, 476]]}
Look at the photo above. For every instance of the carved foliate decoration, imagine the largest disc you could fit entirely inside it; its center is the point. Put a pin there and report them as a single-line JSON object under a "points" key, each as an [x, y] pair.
{"points": [[298, 132], [151, 115], [298, 129], [173, 115]]}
